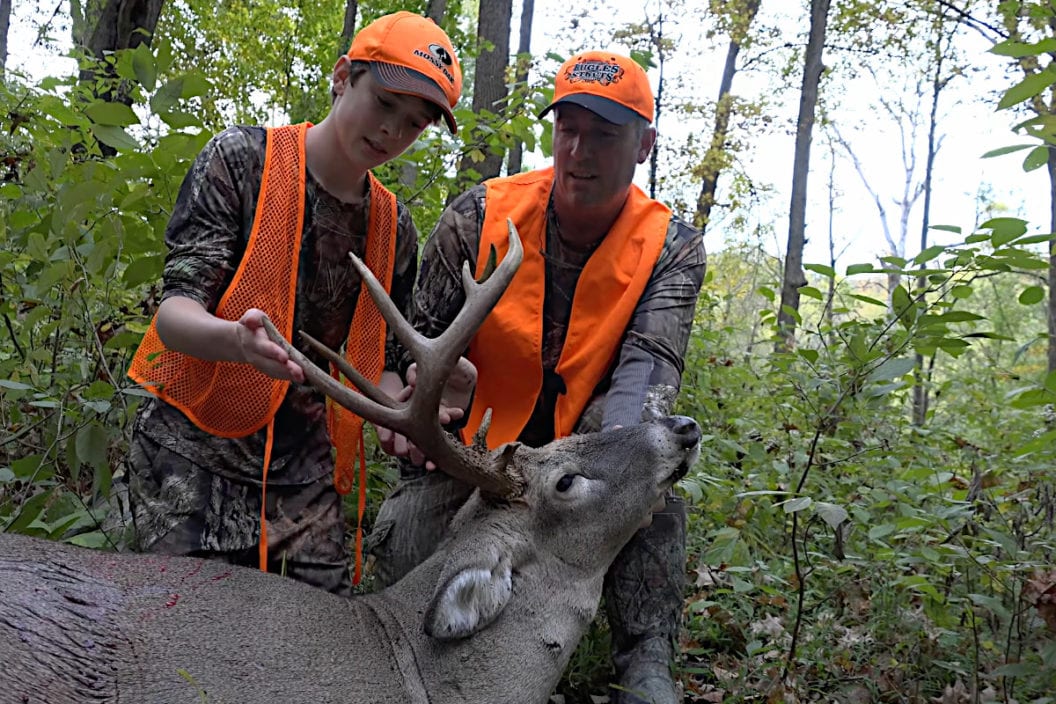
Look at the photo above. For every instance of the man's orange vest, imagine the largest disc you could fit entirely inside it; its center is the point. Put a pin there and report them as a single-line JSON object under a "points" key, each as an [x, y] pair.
{"points": [[507, 349], [231, 399]]}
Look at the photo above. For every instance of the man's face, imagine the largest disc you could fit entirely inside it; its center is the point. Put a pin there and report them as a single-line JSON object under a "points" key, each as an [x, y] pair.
{"points": [[594, 159], [374, 125]]}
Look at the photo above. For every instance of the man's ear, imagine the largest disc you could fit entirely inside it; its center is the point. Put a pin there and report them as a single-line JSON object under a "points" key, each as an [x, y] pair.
{"points": [[646, 145]]}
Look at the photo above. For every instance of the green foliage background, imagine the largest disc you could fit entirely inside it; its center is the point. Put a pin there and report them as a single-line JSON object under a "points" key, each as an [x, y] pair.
{"points": [[837, 551]]}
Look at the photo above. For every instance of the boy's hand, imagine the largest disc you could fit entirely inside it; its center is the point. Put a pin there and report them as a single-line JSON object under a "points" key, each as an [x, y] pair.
{"points": [[261, 352], [453, 403]]}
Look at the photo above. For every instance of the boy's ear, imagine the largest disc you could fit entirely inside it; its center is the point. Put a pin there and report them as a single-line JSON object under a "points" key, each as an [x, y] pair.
{"points": [[339, 78]]}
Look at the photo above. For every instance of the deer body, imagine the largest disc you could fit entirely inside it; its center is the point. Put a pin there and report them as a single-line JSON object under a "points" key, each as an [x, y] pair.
{"points": [[493, 616]]}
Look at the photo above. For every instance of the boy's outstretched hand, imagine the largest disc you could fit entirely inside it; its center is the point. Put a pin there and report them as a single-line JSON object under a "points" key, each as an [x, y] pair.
{"points": [[261, 352]]}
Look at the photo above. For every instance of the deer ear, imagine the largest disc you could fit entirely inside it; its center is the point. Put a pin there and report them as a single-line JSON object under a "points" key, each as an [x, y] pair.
{"points": [[470, 600]]}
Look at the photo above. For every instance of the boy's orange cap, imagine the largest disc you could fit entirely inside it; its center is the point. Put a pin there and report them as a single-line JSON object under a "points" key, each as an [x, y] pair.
{"points": [[613, 86], [410, 54]]}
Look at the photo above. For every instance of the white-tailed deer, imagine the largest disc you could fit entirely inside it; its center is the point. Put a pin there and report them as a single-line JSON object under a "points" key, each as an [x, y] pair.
{"points": [[492, 617]]}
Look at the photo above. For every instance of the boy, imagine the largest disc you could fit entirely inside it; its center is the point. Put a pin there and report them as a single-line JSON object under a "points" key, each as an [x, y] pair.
{"points": [[232, 459]]}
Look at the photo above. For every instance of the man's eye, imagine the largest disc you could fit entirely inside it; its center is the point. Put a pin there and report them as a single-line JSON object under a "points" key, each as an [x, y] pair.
{"points": [[565, 482]]}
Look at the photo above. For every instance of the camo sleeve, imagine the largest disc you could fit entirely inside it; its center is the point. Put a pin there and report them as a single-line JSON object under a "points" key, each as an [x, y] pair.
{"points": [[404, 270], [648, 375], [210, 221]]}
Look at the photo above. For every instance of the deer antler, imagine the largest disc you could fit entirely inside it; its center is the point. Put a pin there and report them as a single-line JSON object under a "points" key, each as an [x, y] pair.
{"points": [[417, 418]]}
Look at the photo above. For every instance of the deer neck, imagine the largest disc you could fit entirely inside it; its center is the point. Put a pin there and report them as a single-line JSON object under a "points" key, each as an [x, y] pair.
{"points": [[551, 606]]}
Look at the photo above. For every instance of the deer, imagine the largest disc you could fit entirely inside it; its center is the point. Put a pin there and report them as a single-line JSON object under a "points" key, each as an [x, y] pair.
{"points": [[493, 616]]}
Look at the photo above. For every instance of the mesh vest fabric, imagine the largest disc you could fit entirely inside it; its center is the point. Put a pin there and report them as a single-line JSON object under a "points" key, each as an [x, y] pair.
{"points": [[507, 349], [231, 399]]}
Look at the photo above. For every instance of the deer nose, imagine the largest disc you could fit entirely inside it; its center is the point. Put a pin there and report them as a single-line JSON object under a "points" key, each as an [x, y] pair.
{"points": [[685, 429]]}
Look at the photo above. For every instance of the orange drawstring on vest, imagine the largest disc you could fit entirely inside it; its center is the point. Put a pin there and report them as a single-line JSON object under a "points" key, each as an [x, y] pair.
{"points": [[357, 573], [263, 548]]}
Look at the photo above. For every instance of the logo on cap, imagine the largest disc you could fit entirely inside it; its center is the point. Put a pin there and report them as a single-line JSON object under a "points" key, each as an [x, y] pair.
{"points": [[601, 72], [439, 57]]}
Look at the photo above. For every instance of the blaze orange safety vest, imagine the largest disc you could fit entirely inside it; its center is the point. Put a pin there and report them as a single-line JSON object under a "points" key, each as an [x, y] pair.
{"points": [[230, 399], [507, 349]]}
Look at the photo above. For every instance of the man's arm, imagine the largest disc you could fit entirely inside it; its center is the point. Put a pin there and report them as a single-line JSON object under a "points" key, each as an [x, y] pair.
{"points": [[649, 372]]}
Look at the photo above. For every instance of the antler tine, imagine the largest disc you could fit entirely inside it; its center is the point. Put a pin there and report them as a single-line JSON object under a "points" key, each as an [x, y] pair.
{"points": [[444, 350], [415, 342], [381, 413], [362, 383]]}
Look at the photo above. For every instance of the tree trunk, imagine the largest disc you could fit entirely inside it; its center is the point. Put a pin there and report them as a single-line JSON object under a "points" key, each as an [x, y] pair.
{"points": [[794, 277], [723, 110], [920, 387], [524, 48], [656, 37], [5, 25], [435, 10], [1052, 262], [489, 84], [348, 30], [101, 26]]}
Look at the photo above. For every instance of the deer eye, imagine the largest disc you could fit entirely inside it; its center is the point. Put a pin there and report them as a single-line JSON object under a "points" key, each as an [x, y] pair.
{"points": [[565, 482]]}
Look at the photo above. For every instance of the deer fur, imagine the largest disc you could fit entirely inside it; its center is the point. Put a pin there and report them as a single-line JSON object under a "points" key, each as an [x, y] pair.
{"points": [[492, 617]]}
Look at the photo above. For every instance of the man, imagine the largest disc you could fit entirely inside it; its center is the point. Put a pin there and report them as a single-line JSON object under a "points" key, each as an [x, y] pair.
{"points": [[591, 335], [232, 458]]}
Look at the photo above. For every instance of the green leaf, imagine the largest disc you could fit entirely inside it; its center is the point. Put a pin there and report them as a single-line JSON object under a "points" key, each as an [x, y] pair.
{"points": [[811, 292], [881, 531], [797, 504], [92, 441], [893, 369], [167, 96], [961, 291], [1017, 50], [115, 137], [14, 385], [821, 269], [1006, 150], [1027, 88], [831, 513], [143, 269], [928, 254], [869, 299], [143, 65], [946, 228], [1032, 295], [1015, 669], [860, 269], [1038, 157], [1004, 230], [117, 114], [194, 85]]}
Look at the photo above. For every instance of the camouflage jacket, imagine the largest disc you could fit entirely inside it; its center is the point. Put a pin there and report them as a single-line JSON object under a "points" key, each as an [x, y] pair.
{"points": [[206, 237], [645, 380]]}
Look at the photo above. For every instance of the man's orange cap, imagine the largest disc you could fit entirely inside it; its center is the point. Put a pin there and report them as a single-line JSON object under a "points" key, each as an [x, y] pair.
{"points": [[410, 54], [613, 86]]}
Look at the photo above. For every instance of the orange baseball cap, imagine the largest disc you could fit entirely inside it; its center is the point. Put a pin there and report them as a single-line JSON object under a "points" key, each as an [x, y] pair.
{"points": [[613, 86], [410, 54]]}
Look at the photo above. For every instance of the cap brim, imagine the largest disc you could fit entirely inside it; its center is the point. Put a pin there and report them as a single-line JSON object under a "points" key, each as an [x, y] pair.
{"points": [[603, 107], [400, 79]]}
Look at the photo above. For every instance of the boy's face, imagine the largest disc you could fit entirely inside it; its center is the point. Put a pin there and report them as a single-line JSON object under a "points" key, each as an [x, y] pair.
{"points": [[594, 159], [372, 124]]}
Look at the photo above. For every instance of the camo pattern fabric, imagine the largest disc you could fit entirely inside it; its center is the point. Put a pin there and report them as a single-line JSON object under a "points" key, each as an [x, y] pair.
{"points": [[659, 328], [191, 491]]}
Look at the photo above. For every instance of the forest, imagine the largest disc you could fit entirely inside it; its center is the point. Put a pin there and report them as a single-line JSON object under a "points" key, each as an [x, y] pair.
{"points": [[873, 359]]}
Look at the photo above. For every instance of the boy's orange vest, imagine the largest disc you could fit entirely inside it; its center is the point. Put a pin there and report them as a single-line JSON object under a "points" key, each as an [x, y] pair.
{"points": [[507, 349], [231, 399]]}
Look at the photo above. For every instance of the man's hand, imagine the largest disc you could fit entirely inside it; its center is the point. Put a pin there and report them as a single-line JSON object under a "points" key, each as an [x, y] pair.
{"points": [[453, 403], [257, 349]]}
